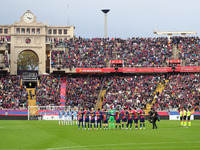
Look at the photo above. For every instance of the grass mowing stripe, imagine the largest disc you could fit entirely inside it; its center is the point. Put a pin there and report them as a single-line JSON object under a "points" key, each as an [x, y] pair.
{"points": [[47, 135], [103, 145]]}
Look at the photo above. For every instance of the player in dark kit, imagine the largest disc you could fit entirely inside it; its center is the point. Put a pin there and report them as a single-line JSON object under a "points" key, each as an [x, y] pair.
{"points": [[135, 114], [142, 121], [118, 120], [105, 119], [92, 114], [130, 119], [87, 113], [124, 118], [80, 118], [99, 116]]}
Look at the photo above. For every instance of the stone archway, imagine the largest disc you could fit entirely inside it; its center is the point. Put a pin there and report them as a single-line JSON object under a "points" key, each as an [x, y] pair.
{"points": [[39, 51], [27, 60]]}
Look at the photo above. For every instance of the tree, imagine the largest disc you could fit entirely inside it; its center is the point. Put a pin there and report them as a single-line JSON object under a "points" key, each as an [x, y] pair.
{"points": [[27, 60]]}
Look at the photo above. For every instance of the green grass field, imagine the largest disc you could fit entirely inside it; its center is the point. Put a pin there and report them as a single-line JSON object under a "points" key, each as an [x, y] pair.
{"points": [[48, 135]]}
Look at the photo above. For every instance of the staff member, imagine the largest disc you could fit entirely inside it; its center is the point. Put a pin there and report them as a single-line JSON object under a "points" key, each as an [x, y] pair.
{"points": [[154, 119]]}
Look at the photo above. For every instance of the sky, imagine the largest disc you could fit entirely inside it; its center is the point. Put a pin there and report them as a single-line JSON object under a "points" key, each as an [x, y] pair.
{"points": [[126, 19]]}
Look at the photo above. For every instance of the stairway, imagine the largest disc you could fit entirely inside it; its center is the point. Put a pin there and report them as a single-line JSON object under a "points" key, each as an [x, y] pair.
{"points": [[175, 52], [32, 101], [101, 99], [159, 89]]}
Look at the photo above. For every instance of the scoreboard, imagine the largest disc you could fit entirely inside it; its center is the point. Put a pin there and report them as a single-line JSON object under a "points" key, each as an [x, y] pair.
{"points": [[29, 75]]}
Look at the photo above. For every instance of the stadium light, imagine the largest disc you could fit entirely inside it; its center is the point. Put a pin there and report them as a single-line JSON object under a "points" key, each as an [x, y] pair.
{"points": [[105, 11]]}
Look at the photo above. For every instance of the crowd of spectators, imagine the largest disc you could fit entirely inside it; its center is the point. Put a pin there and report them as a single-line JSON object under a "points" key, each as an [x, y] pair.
{"points": [[189, 50], [135, 52], [121, 91], [181, 90], [6, 60], [48, 91], [3, 43], [144, 52], [130, 91], [96, 52], [83, 91], [83, 53], [12, 95]]}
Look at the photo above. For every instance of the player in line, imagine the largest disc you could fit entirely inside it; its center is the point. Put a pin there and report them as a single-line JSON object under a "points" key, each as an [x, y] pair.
{"points": [[60, 114], [105, 119], [80, 119], [86, 116], [75, 117], [114, 116]]}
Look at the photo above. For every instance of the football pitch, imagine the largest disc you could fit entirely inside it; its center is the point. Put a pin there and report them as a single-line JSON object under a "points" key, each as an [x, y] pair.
{"points": [[50, 136]]}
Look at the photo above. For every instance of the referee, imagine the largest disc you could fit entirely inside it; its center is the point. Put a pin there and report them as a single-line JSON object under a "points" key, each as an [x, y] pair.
{"points": [[181, 116], [184, 116], [188, 117]]}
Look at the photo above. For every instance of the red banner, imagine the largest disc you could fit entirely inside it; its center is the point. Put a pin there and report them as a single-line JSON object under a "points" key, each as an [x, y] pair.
{"points": [[187, 69], [89, 70], [174, 61], [107, 70], [116, 61], [156, 69]]}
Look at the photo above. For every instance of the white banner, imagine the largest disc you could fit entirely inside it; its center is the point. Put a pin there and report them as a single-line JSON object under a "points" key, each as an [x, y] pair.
{"points": [[50, 117], [177, 117]]}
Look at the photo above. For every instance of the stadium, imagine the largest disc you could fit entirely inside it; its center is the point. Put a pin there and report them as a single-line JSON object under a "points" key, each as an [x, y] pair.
{"points": [[59, 90]]}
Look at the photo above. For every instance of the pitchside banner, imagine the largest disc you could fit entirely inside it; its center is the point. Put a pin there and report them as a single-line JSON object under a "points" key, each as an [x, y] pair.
{"points": [[51, 117], [177, 117]]}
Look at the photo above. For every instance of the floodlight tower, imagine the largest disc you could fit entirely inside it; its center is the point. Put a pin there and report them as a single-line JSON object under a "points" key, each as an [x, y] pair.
{"points": [[105, 11]]}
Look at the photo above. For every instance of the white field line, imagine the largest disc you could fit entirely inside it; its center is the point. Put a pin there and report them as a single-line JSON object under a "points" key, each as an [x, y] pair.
{"points": [[102, 145]]}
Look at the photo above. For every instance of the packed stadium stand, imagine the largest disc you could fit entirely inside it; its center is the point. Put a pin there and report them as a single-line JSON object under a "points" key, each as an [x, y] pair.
{"points": [[83, 91], [48, 90], [121, 89], [181, 90], [130, 90], [96, 53], [12, 95], [189, 50]]}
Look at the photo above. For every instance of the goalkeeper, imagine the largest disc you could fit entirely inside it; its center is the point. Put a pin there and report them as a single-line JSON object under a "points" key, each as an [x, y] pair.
{"points": [[111, 114]]}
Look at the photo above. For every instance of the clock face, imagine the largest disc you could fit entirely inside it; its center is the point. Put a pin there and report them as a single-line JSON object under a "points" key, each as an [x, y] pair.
{"points": [[28, 18], [28, 40]]}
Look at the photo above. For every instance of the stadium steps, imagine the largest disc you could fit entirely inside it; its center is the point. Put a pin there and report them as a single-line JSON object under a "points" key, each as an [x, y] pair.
{"points": [[158, 89], [183, 63], [102, 98], [101, 94], [32, 102], [175, 52]]}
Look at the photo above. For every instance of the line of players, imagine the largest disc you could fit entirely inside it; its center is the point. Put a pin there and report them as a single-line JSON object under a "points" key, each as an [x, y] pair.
{"points": [[121, 119], [68, 117]]}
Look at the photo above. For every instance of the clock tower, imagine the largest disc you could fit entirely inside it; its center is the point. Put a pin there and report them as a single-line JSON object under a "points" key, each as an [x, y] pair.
{"points": [[30, 35]]}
